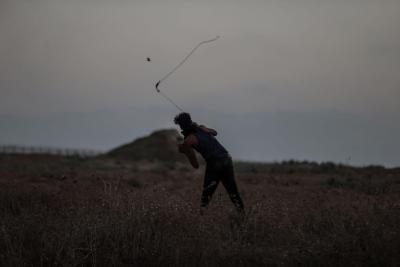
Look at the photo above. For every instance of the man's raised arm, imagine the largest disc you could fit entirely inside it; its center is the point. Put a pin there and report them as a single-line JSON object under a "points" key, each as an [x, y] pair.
{"points": [[208, 130]]}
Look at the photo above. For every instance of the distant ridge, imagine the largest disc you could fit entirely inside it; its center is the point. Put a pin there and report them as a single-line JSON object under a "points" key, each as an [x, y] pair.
{"points": [[21, 149], [161, 145]]}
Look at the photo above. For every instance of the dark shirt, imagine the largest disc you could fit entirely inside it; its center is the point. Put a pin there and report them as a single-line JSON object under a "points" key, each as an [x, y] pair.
{"points": [[208, 146]]}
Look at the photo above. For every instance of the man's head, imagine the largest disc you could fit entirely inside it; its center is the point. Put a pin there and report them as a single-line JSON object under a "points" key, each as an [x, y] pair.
{"points": [[183, 120]]}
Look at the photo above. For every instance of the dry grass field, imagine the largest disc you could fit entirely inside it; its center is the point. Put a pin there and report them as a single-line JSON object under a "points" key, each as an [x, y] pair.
{"points": [[69, 211]]}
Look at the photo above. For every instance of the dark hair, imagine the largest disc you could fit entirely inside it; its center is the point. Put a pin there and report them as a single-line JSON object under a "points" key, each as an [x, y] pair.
{"points": [[183, 119], [185, 122]]}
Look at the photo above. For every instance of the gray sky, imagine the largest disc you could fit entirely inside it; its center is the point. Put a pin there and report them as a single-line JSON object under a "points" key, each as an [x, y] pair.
{"points": [[329, 63]]}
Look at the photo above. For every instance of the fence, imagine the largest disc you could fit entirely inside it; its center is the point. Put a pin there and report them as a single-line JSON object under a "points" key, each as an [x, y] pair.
{"points": [[18, 149]]}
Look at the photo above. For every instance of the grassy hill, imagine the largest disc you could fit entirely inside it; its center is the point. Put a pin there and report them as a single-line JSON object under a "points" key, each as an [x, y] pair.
{"points": [[158, 146]]}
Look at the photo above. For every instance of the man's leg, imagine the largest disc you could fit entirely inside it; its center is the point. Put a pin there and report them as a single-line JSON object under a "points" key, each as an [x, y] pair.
{"points": [[228, 180], [210, 185]]}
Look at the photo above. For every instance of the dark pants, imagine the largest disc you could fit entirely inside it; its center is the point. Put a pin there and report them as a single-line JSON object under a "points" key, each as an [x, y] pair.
{"points": [[220, 170]]}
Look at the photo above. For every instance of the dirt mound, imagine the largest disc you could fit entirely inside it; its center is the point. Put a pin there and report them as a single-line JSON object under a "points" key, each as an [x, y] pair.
{"points": [[159, 145]]}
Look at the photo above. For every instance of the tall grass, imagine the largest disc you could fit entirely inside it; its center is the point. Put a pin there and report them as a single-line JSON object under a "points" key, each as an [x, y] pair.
{"points": [[144, 228], [72, 212]]}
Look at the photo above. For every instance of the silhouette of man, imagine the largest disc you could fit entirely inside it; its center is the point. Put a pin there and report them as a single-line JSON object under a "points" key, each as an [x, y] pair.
{"points": [[219, 162]]}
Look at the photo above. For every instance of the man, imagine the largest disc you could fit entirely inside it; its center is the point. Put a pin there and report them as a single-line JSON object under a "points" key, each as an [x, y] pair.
{"points": [[219, 162]]}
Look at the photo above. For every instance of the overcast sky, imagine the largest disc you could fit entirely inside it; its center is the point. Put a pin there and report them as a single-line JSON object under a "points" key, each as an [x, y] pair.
{"points": [[325, 63]]}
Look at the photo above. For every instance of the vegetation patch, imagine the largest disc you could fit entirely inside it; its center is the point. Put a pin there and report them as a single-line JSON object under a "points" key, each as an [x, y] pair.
{"points": [[368, 185], [134, 183]]}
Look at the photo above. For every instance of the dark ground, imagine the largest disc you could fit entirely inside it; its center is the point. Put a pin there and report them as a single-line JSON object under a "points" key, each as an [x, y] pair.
{"points": [[69, 211]]}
